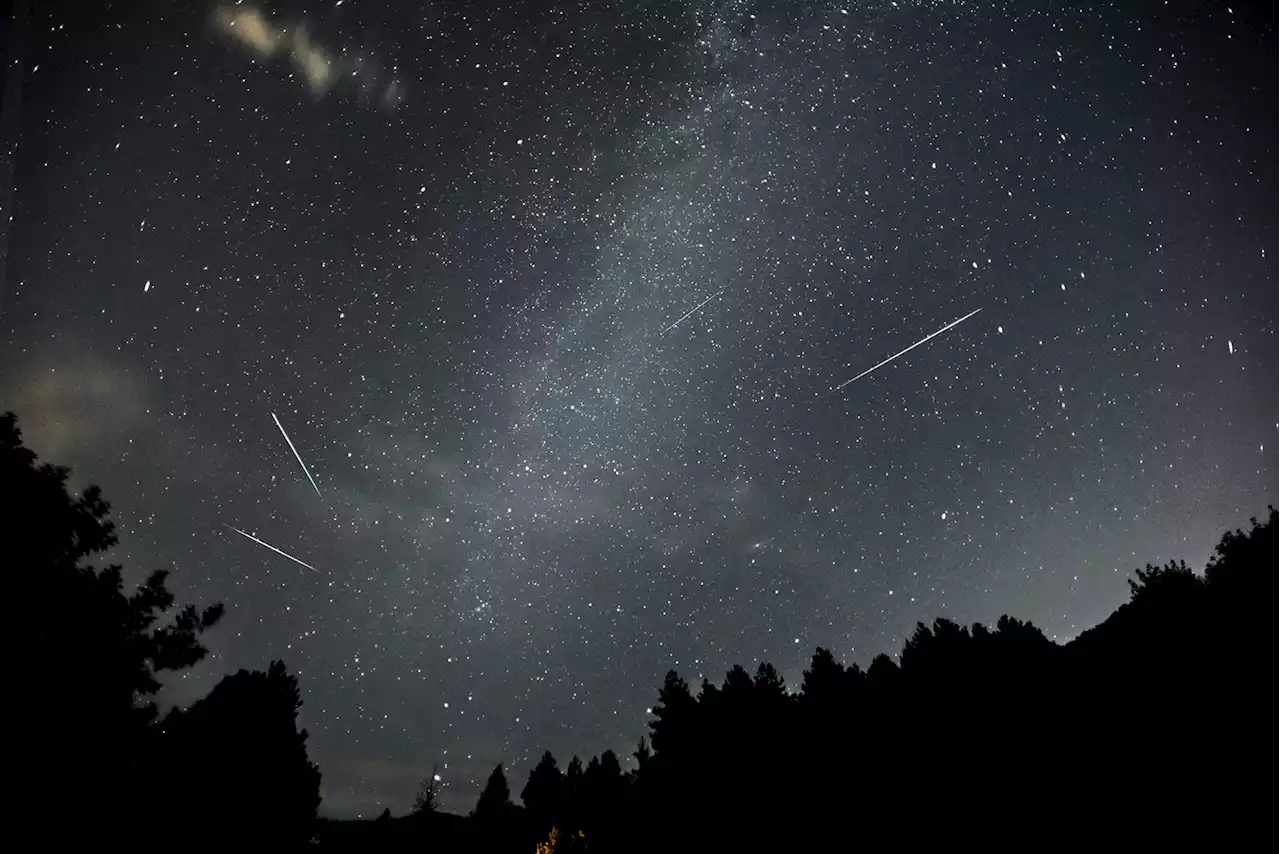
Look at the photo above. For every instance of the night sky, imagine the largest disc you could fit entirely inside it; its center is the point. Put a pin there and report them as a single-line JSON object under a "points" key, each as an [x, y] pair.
{"points": [[553, 300]]}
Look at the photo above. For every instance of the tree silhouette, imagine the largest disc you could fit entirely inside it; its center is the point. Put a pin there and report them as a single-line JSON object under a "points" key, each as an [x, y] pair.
{"points": [[1240, 558], [642, 753], [823, 685], [737, 688], [1241, 586], [573, 791], [255, 778], [606, 792], [427, 800], [544, 792], [768, 683], [573, 775], [95, 653], [673, 716], [494, 805]]}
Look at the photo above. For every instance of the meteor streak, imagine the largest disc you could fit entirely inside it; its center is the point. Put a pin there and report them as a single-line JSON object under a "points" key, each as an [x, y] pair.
{"points": [[295, 453], [692, 311], [273, 548], [909, 349]]}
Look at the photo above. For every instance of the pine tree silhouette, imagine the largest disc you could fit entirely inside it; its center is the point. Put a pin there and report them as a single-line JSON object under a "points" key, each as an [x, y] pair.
{"points": [[543, 793], [494, 805]]}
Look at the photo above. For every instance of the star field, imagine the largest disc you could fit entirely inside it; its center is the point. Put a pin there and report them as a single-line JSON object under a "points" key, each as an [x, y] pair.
{"points": [[553, 301]]}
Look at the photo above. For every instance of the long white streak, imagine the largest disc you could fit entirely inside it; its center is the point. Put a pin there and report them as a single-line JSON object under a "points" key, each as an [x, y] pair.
{"points": [[908, 350], [295, 453], [692, 311], [273, 548]]}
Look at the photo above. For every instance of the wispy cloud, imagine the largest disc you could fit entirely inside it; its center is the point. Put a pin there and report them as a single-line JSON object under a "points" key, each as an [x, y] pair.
{"points": [[316, 65], [251, 28]]}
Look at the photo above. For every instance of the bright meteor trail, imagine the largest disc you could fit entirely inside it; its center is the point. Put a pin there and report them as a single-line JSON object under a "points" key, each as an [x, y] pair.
{"points": [[692, 311], [273, 548], [295, 453], [909, 349]]}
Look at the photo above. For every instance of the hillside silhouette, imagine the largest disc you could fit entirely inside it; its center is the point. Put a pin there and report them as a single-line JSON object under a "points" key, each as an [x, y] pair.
{"points": [[1152, 728]]}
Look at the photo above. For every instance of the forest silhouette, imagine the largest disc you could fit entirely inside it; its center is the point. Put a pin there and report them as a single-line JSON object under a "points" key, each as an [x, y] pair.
{"points": [[1152, 728]]}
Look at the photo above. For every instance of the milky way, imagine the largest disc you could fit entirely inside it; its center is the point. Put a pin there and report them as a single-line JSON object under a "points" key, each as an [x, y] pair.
{"points": [[553, 296]]}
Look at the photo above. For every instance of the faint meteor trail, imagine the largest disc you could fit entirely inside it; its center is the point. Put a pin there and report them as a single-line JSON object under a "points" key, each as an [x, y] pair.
{"points": [[693, 310], [295, 453], [909, 349], [273, 548]]}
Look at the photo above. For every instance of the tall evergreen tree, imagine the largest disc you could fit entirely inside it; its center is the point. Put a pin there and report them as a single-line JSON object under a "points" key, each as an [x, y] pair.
{"points": [[543, 793], [494, 805], [573, 796], [823, 683], [675, 711]]}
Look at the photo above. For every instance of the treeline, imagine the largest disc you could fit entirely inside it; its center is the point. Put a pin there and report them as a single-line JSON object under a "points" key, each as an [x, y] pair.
{"points": [[1153, 728]]}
